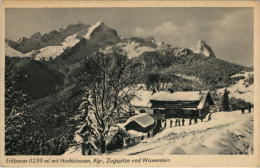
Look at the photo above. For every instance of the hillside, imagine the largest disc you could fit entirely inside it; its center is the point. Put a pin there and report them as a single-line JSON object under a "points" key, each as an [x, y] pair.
{"points": [[53, 64], [226, 133], [243, 88], [39, 80]]}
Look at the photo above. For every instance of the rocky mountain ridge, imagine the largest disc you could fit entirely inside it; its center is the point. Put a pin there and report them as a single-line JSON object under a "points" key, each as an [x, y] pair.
{"points": [[202, 48], [68, 48], [56, 43], [37, 41]]}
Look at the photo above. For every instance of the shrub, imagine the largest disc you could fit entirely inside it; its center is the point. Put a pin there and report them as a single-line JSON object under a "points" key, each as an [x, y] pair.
{"points": [[237, 104]]}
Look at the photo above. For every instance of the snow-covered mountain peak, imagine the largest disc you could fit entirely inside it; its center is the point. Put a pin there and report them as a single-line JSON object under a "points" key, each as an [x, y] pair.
{"points": [[100, 33], [92, 28], [77, 40], [201, 47]]}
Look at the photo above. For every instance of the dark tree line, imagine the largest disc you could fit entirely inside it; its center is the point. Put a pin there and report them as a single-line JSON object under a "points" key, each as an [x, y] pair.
{"points": [[23, 134]]}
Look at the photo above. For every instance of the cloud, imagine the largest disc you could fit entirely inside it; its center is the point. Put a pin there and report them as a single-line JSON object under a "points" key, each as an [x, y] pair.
{"points": [[168, 32], [230, 36], [166, 28], [140, 32]]}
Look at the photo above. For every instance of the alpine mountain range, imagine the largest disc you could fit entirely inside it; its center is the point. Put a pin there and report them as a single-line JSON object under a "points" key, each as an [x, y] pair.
{"points": [[52, 66]]}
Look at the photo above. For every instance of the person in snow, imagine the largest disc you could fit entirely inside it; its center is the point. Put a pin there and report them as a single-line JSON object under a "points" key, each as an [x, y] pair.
{"points": [[176, 121], [242, 110], [179, 122], [183, 122], [209, 118], [190, 121], [195, 120], [171, 123], [249, 108]]}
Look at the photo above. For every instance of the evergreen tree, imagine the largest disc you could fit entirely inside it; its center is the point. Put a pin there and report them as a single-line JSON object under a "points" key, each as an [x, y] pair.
{"points": [[83, 129], [225, 101], [21, 135]]}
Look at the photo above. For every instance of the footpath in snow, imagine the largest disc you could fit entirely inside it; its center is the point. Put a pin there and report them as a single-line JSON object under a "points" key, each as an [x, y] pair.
{"points": [[226, 133]]}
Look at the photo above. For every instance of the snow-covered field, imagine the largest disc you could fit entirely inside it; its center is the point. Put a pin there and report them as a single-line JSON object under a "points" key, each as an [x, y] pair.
{"points": [[240, 90], [226, 133]]}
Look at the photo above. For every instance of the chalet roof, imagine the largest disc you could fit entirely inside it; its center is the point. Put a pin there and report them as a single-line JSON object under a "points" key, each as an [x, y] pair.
{"points": [[143, 119], [181, 100], [184, 100], [179, 96]]}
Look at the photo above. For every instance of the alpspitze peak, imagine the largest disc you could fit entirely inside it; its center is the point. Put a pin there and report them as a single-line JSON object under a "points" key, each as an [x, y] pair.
{"points": [[100, 23], [94, 27]]}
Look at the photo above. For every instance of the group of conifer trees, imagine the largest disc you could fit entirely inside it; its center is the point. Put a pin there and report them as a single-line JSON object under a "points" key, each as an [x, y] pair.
{"points": [[23, 135]]}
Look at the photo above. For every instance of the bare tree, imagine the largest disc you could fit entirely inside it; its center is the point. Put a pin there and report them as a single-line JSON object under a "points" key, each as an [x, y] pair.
{"points": [[109, 87]]}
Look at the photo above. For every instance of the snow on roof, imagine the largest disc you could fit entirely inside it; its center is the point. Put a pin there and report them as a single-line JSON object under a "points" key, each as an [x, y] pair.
{"points": [[178, 96], [134, 133], [202, 102], [143, 119], [143, 98]]}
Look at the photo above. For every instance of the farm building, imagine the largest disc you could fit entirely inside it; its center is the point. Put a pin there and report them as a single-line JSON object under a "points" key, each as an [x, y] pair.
{"points": [[141, 103], [141, 123], [192, 104]]}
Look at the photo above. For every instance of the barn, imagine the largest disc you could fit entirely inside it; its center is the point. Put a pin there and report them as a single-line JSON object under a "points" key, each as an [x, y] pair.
{"points": [[142, 123], [190, 104]]}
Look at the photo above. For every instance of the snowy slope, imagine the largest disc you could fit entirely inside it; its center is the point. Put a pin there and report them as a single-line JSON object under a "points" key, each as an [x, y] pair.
{"points": [[130, 48], [12, 52], [142, 98], [240, 90], [49, 52], [226, 133], [134, 49]]}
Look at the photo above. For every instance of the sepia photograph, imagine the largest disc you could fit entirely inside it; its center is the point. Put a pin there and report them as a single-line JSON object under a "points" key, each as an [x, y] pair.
{"points": [[129, 81], [129, 84]]}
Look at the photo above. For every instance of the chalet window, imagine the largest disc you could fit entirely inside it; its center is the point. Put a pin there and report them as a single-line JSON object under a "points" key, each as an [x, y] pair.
{"points": [[142, 111]]}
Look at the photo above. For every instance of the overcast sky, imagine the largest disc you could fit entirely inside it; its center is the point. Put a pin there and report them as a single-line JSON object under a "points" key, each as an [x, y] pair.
{"points": [[229, 31]]}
